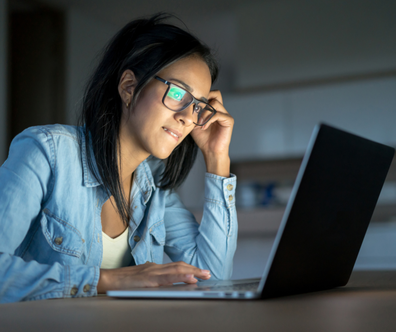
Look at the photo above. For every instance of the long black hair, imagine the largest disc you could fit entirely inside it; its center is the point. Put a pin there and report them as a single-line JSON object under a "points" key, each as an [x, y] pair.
{"points": [[145, 46]]}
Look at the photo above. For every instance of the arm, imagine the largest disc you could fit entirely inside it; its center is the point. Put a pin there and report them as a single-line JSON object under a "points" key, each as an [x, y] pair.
{"points": [[27, 179], [211, 245]]}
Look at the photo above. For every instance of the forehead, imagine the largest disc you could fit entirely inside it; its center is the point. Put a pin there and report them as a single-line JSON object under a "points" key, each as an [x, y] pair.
{"points": [[193, 71]]}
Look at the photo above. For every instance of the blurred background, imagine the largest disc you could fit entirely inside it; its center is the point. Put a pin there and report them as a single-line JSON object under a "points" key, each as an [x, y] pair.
{"points": [[285, 66]]}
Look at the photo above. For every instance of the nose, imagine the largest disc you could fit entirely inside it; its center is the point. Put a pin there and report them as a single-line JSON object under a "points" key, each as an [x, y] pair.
{"points": [[186, 117]]}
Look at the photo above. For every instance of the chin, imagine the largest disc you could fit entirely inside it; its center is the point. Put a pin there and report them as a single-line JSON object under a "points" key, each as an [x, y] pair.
{"points": [[161, 154]]}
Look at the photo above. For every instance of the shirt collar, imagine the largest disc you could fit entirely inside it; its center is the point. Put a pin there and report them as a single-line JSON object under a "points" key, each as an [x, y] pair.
{"points": [[144, 180]]}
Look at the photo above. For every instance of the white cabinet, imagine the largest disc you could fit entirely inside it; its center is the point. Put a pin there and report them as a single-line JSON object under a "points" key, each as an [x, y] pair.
{"points": [[366, 108], [259, 125], [378, 251], [279, 124]]}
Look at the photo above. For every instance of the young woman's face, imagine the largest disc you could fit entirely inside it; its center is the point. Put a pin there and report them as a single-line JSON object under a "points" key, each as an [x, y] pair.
{"points": [[150, 127]]}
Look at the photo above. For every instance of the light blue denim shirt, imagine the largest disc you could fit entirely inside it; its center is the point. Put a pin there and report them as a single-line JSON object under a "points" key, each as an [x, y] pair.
{"points": [[50, 219]]}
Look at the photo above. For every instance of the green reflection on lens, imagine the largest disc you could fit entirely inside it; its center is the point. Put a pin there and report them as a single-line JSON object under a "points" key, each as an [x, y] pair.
{"points": [[176, 93]]}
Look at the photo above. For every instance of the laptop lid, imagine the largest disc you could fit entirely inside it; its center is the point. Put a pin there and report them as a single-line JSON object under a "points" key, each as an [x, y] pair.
{"points": [[325, 221]]}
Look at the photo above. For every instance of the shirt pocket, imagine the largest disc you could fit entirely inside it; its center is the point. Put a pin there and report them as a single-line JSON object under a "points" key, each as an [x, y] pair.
{"points": [[61, 236], [158, 235]]}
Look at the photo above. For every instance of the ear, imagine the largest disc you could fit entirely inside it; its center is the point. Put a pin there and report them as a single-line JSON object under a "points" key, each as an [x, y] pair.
{"points": [[127, 86]]}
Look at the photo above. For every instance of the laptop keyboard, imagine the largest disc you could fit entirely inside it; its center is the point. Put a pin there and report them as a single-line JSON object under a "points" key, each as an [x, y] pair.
{"points": [[251, 286]]}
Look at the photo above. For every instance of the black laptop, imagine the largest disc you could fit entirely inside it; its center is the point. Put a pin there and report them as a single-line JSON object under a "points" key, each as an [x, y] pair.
{"points": [[323, 227]]}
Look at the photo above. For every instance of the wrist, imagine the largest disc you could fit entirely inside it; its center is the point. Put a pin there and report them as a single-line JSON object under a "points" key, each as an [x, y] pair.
{"points": [[103, 283], [218, 165]]}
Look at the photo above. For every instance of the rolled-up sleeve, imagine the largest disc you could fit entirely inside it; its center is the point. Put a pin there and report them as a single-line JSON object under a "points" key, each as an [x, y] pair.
{"points": [[212, 243]]}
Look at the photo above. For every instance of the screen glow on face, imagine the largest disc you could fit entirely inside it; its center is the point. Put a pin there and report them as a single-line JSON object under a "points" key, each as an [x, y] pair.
{"points": [[176, 93]]}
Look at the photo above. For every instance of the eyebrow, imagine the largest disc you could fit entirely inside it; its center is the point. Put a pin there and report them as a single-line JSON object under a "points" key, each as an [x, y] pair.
{"points": [[187, 87]]}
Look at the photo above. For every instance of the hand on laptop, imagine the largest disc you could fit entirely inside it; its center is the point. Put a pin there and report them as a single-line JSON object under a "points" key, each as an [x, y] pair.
{"points": [[149, 275]]}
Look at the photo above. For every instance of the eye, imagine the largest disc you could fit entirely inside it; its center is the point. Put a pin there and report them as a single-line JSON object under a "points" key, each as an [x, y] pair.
{"points": [[176, 93], [197, 109]]}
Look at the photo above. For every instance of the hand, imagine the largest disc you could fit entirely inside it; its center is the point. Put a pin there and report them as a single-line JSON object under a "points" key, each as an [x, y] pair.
{"points": [[149, 275], [214, 138]]}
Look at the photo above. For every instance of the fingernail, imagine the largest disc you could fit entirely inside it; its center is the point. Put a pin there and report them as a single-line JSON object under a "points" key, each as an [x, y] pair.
{"points": [[205, 271], [189, 276]]}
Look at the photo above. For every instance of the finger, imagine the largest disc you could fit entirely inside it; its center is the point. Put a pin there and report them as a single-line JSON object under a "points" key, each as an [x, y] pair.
{"points": [[219, 107], [180, 263], [184, 268], [196, 273], [216, 94], [189, 279], [169, 279], [220, 110], [223, 119]]}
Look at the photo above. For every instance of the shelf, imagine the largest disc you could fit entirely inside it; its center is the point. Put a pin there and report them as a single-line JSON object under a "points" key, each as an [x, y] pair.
{"points": [[267, 170], [280, 169]]}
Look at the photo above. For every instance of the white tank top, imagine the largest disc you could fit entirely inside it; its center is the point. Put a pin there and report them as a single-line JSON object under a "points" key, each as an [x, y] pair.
{"points": [[116, 252]]}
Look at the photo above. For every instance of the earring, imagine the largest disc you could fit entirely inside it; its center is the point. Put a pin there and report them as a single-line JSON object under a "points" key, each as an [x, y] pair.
{"points": [[127, 104]]}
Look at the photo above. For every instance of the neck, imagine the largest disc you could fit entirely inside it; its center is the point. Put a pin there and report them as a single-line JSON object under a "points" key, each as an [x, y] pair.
{"points": [[131, 158]]}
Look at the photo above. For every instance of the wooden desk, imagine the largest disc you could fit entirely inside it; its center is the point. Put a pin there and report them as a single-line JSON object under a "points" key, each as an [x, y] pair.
{"points": [[367, 303]]}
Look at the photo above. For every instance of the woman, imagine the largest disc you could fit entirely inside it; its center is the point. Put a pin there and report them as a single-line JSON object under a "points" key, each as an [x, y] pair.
{"points": [[91, 208]]}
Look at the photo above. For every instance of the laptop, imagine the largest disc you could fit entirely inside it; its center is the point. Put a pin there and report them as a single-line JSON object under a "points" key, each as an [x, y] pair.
{"points": [[322, 229]]}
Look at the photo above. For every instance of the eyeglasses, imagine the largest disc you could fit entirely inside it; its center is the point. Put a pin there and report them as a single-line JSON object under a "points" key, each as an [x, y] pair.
{"points": [[177, 99]]}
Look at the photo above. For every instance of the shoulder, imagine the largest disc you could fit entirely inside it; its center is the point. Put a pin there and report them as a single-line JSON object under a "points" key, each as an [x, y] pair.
{"points": [[45, 133], [55, 130], [49, 138], [46, 140]]}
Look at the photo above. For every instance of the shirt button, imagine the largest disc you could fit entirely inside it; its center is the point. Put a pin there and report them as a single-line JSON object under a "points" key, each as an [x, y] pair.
{"points": [[135, 207], [230, 187], [230, 198], [74, 290], [136, 238], [86, 288], [59, 240]]}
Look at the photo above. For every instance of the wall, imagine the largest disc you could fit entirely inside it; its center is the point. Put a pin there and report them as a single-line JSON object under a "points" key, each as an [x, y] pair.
{"points": [[288, 41], [3, 80], [86, 37], [219, 32]]}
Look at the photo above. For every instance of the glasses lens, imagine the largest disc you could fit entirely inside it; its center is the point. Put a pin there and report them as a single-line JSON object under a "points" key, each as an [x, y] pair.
{"points": [[203, 113], [177, 98]]}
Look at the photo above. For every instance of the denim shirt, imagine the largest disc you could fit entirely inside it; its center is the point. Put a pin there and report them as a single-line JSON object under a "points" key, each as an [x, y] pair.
{"points": [[50, 219]]}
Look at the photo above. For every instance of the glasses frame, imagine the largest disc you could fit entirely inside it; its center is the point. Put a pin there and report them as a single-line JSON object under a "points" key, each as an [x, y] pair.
{"points": [[194, 100]]}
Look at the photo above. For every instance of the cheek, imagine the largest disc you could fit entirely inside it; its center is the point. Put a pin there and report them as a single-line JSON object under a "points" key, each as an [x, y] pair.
{"points": [[148, 106], [144, 112]]}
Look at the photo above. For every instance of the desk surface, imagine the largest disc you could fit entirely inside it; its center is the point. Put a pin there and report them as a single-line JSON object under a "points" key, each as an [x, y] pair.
{"points": [[367, 303]]}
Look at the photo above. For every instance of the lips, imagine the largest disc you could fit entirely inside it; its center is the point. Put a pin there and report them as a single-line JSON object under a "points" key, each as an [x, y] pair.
{"points": [[174, 133]]}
